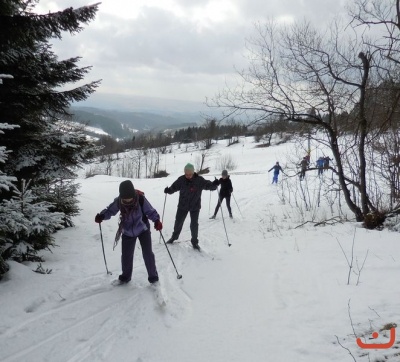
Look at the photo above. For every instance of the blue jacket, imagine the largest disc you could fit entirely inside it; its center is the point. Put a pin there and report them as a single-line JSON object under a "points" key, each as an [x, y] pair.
{"points": [[131, 217], [320, 163], [276, 169]]}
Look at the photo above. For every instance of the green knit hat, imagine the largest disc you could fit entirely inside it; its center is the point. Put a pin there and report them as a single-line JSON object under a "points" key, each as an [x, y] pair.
{"points": [[189, 167]]}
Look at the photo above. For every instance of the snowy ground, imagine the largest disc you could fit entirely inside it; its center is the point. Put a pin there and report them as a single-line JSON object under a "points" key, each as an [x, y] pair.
{"points": [[279, 293]]}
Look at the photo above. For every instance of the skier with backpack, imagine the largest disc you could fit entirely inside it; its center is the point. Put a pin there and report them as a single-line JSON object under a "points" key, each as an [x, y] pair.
{"points": [[225, 193], [135, 211], [190, 186], [304, 166], [327, 159]]}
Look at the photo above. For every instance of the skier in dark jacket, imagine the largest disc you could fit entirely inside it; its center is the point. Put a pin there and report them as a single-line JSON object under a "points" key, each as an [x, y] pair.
{"points": [[135, 211], [327, 159], [304, 166], [276, 169], [190, 186], [224, 193]]}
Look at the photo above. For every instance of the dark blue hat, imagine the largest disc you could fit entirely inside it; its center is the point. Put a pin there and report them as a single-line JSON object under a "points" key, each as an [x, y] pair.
{"points": [[126, 190]]}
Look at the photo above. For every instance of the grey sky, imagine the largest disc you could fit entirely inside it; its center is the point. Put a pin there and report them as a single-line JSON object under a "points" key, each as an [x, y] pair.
{"points": [[174, 49]]}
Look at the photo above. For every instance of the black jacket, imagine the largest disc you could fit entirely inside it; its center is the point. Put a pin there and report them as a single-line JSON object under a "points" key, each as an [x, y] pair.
{"points": [[226, 187], [190, 191]]}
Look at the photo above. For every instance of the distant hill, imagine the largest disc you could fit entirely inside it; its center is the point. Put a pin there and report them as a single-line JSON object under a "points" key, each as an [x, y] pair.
{"points": [[118, 123], [115, 114], [135, 103], [96, 120]]}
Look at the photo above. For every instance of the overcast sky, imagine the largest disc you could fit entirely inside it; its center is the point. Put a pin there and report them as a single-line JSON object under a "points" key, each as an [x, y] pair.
{"points": [[174, 49]]}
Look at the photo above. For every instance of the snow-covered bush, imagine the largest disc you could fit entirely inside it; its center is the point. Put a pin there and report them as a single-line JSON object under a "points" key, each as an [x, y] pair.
{"points": [[225, 162], [26, 226]]}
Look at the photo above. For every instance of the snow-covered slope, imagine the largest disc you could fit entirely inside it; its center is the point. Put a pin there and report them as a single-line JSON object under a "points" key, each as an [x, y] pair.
{"points": [[279, 293]]}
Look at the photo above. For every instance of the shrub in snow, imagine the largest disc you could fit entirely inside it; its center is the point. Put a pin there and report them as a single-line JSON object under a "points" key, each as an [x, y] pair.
{"points": [[26, 226], [225, 162], [374, 220], [160, 174], [62, 196]]}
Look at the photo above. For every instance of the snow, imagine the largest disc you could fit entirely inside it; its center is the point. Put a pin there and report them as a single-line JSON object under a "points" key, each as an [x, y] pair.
{"points": [[96, 130], [279, 293], [5, 76]]}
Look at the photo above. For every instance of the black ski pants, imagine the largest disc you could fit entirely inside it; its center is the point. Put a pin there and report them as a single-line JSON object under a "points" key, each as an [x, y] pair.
{"points": [[228, 204], [128, 249], [194, 224]]}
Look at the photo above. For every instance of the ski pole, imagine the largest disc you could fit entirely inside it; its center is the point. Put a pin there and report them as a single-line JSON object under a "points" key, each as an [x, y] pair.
{"points": [[179, 276], [209, 203], [222, 214], [237, 204], [162, 217], [104, 254]]}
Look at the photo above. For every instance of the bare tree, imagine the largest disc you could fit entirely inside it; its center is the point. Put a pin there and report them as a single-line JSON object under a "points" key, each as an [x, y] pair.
{"points": [[383, 16], [109, 164], [384, 158], [209, 132], [200, 159], [293, 69], [138, 160]]}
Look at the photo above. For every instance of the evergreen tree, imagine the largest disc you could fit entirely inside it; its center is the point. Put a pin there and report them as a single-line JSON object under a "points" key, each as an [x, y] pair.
{"points": [[5, 185], [27, 225], [45, 149]]}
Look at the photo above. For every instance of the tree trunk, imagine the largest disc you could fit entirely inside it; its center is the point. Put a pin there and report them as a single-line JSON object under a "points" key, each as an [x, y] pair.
{"points": [[363, 135], [342, 180]]}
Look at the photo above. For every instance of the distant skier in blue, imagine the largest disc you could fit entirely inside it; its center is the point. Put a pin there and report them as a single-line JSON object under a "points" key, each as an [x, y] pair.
{"points": [[276, 169], [320, 165]]}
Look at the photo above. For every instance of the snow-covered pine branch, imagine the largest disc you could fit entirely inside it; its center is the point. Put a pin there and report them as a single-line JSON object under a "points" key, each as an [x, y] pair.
{"points": [[27, 225], [5, 76]]}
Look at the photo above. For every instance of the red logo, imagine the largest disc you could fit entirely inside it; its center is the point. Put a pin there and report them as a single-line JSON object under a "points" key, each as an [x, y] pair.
{"points": [[375, 335]]}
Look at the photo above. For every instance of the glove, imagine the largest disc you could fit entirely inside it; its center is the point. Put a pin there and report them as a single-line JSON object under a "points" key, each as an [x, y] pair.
{"points": [[215, 182], [167, 190], [158, 225], [99, 218]]}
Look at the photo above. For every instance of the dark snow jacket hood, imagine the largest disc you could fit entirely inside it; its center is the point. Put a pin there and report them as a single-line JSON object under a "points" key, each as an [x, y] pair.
{"points": [[226, 186]]}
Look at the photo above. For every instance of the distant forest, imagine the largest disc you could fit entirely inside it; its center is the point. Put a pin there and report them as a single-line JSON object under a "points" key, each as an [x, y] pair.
{"points": [[203, 135], [151, 139]]}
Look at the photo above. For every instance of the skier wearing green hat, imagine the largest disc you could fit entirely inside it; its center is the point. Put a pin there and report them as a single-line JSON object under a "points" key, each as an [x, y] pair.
{"points": [[190, 186]]}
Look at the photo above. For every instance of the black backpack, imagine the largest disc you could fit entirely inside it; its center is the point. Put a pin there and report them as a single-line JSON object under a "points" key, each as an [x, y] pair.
{"points": [[141, 202]]}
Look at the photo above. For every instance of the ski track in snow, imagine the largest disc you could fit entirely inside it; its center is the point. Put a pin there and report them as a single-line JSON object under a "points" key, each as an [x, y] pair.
{"points": [[83, 334]]}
